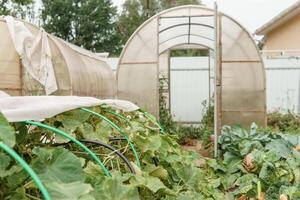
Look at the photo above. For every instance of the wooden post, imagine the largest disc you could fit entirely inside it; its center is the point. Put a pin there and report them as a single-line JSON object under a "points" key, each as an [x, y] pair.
{"points": [[217, 80]]}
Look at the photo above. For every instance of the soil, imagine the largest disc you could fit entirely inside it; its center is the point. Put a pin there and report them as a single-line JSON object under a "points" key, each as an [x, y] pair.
{"points": [[197, 146]]}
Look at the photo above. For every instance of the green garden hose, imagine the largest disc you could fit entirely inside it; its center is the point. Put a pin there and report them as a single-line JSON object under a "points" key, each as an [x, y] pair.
{"points": [[112, 124], [117, 114], [28, 169], [127, 121], [147, 115], [64, 134]]}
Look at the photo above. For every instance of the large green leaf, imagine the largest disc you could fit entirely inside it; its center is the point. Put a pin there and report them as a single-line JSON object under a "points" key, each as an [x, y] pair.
{"points": [[69, 191], [4, 166], [152, 183], [77, 114], [4, 162], [148, 144], [282, 149], [7, 133], [57, 165], [70, 125], [114, 189], [266, 171], [228, 181], [101, 132], [159, 172]]}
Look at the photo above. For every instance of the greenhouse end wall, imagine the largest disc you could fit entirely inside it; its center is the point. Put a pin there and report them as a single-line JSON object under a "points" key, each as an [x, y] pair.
{"points": [[243, 96]]}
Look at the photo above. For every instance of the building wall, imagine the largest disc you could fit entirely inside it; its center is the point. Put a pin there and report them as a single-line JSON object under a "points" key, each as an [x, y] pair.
{"points": [[285, 37]]}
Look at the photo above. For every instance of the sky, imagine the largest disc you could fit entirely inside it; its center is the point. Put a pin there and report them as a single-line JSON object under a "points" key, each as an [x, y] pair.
{"points": [[250, 13]]}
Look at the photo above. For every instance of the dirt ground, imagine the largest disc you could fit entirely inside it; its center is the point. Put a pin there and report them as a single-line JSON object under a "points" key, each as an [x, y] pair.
{"points": [[198, 147]]}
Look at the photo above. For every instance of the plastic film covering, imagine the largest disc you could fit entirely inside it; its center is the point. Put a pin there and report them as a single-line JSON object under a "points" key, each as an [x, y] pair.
{"points": [[144, 59], [89, 75], [22, 108], [9, 63], [77, 71]]}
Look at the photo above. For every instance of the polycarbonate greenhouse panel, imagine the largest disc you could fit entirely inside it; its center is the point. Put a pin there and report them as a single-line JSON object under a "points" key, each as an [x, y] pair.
{"points": [[178, 30], [143, 46], [237, 44], [142, 87], [243, 76], [243, 118]]}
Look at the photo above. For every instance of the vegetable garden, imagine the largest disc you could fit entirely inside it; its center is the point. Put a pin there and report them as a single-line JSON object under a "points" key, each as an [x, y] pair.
{"points": [[89, 152], [105, 153]]}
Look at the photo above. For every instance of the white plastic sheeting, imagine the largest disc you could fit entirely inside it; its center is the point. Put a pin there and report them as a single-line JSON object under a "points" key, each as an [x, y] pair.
{"points": [[22, 108], [35, 53], [33, 62]]}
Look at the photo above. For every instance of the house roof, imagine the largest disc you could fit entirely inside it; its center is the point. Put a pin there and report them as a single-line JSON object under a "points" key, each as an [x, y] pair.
{"points": [[280, 19]]}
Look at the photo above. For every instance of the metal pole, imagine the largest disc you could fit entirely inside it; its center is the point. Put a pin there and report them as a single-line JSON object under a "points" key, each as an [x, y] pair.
{"points": [[298, 110], [215, 82], [209, 84]]}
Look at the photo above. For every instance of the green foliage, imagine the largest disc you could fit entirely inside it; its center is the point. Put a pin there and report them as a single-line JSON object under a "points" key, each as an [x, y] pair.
{"points": [[189, 53], [115, 188], [18, 8], [251, 163], [57, 165], [7, 133], [89, 24], [165, 116], [70, 191], [134, 13], [185, 132], [253, 160], [284, 122], [165, 4], [68, 173]]}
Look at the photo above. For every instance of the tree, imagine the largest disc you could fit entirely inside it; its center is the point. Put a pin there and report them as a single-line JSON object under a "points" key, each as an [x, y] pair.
{"points": [[135, 12], [89, 24], [17, 8], [165, 4]]}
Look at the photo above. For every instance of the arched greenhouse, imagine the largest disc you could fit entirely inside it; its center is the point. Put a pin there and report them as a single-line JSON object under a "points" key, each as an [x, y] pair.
{"points": [[239, 73], [33, 62]]}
